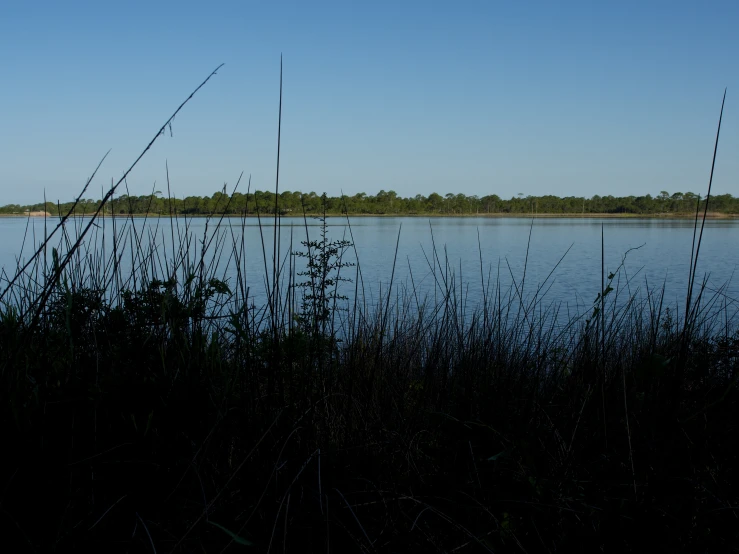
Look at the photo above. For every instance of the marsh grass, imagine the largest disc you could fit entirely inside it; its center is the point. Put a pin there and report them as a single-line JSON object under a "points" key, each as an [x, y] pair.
{"points": [[150, 405]]}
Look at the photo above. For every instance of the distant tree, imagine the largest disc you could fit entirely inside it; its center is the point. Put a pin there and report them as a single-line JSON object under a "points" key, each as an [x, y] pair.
{"points": [[387, 202]]}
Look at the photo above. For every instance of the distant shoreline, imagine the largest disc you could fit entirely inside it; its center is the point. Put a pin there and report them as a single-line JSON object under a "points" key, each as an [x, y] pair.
{"points": [[29, 214], [710, 215]]}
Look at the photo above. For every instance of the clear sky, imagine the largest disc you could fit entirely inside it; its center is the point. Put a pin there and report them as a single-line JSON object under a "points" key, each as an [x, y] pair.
{"points": [[483, 97]]}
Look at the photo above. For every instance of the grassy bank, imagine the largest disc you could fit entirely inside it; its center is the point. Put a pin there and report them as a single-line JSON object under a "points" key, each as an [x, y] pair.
{"points": [[157, 409]]}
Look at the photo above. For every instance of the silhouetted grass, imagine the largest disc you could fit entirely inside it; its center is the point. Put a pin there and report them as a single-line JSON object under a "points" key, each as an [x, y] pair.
{"points": [[149, 405]]}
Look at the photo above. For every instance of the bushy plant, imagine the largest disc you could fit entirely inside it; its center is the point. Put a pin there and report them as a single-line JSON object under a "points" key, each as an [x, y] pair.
{"points": [[324, 260]]}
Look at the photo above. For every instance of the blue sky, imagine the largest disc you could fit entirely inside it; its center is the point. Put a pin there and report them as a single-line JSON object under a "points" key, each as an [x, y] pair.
{"points": [[417, 97]]}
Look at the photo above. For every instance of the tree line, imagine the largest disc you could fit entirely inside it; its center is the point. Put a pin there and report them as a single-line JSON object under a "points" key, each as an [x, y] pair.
{"points": [[387, 203]]}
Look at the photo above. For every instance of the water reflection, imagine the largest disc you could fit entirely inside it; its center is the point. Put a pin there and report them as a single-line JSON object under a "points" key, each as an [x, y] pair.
{"points": [[561, 257]]}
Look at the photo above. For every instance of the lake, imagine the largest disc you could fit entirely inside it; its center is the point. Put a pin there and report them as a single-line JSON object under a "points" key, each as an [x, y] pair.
{"points": [[473, 250]]}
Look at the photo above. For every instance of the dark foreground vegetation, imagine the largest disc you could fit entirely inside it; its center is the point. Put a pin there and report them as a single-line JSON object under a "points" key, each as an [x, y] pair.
{"points": [[155, 409], [389, 203], [158, 410]]}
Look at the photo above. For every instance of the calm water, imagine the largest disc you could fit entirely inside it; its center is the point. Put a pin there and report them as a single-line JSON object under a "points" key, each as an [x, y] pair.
{"points": [[658, 252]]}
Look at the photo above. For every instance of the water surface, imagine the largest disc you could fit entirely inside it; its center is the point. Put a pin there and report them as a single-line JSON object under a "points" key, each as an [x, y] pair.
{"points": [[560, 257]]}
